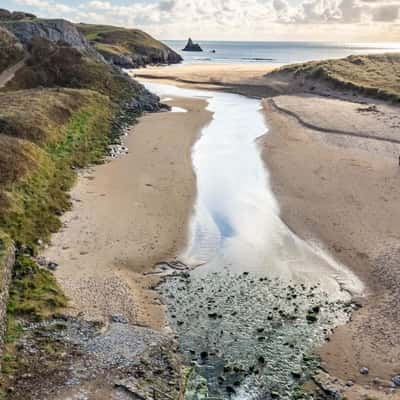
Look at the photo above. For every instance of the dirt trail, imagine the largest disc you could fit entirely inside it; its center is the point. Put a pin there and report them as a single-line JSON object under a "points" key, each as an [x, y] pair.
{"points": [[9, 73]]}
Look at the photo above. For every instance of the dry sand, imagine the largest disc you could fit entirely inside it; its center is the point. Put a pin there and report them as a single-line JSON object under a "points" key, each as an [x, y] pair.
{"points": [[247, 79], [129, 214]]}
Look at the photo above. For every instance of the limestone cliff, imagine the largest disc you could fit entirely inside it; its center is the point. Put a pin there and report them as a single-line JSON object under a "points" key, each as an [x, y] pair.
{"points": [[54, 30]]}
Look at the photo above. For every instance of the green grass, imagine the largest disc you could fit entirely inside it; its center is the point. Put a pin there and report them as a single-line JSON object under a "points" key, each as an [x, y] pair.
{"points": [[112, 41], [34, 292], [35, 193], [373, 75]]}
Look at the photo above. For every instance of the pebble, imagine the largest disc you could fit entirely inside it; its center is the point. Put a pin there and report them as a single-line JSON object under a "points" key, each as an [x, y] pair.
{"points": [[364, 371], [119, 319], [396, 380]]}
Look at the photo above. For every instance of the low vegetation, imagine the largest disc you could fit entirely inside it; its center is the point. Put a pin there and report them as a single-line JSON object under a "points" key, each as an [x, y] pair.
{"points": [[60, 65], [57, 114], [43, 134], [372, 75], [113, 42], [10, 50]]}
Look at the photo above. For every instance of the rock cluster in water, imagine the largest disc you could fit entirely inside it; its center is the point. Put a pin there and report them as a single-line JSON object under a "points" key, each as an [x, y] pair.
{"points": [[191, 46], [248, 335]]}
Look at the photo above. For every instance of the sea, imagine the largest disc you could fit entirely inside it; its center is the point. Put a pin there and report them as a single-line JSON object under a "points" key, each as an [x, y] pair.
{"points": [[275, 52]]}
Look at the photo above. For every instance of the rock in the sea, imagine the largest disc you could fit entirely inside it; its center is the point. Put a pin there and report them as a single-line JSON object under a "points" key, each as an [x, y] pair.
{"points": [[190, 46]]}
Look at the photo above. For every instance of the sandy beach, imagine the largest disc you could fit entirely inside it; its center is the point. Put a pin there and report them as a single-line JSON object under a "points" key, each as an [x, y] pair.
{"points": [[343, 192], [334, 170], [129, 214]]}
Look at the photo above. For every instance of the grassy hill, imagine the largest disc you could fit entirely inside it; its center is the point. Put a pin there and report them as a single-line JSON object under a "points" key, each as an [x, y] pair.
{"points": [[128, 47], [376, 75], [59, 112]]}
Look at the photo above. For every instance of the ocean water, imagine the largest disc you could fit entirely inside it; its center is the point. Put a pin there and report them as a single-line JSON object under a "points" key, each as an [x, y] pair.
{"points": [[276, 52]]}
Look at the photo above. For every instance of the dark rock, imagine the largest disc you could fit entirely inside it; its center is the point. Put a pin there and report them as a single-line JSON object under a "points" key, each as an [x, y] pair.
{"points": [[190, 46], [396, 380], [4, 14], [15, 16], [364, 371], [230, 390], [204, 354], [119, 319], [52, 266]]}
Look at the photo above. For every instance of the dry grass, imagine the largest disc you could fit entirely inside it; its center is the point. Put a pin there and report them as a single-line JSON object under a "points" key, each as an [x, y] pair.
{"points": [[37, 115], [11, 51], [60, 65], [373, 75]]}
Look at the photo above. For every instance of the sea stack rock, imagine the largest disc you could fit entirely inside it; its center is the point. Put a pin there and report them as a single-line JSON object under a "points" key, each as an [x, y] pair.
{"points": [[190, 46]]}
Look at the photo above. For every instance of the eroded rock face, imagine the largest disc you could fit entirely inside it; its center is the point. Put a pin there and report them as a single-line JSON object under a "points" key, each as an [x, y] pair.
{"points": [[53, 30]]}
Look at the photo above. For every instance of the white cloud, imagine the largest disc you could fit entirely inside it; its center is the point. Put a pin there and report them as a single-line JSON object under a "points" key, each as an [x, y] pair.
{"points": [[242, 19]]}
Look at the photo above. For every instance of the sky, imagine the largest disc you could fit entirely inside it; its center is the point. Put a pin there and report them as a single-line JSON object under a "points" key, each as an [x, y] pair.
{"points": [[264, 20]]}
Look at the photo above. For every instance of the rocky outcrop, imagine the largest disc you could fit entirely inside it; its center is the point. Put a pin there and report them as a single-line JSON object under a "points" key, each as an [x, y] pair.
{"points": [[128, 48], [54, 30], [190, 46], [140, 60], [15, 16]]}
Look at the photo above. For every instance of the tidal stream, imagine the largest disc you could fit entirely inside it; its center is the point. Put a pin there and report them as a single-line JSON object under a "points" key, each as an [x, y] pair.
{"points": [[261, 298]]}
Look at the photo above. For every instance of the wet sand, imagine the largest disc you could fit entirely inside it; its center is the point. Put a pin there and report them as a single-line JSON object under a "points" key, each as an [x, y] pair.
{"points": [[341, 191], [244, 79], [129, 214], [344, 192]]}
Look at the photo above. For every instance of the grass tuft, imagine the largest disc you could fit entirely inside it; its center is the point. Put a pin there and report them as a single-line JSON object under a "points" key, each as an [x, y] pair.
{"points": [[375, 75]]}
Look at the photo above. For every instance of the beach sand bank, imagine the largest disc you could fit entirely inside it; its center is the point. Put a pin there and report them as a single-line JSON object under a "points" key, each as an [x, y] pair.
{"points": [[129, 214], [342, 191]]}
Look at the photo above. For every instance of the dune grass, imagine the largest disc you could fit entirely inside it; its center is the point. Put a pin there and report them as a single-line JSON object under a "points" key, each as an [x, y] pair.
{"points": [[373, 75]]}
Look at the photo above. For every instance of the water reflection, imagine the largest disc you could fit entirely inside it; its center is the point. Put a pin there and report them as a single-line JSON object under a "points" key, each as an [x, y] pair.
{"points": [[236, 221]]}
